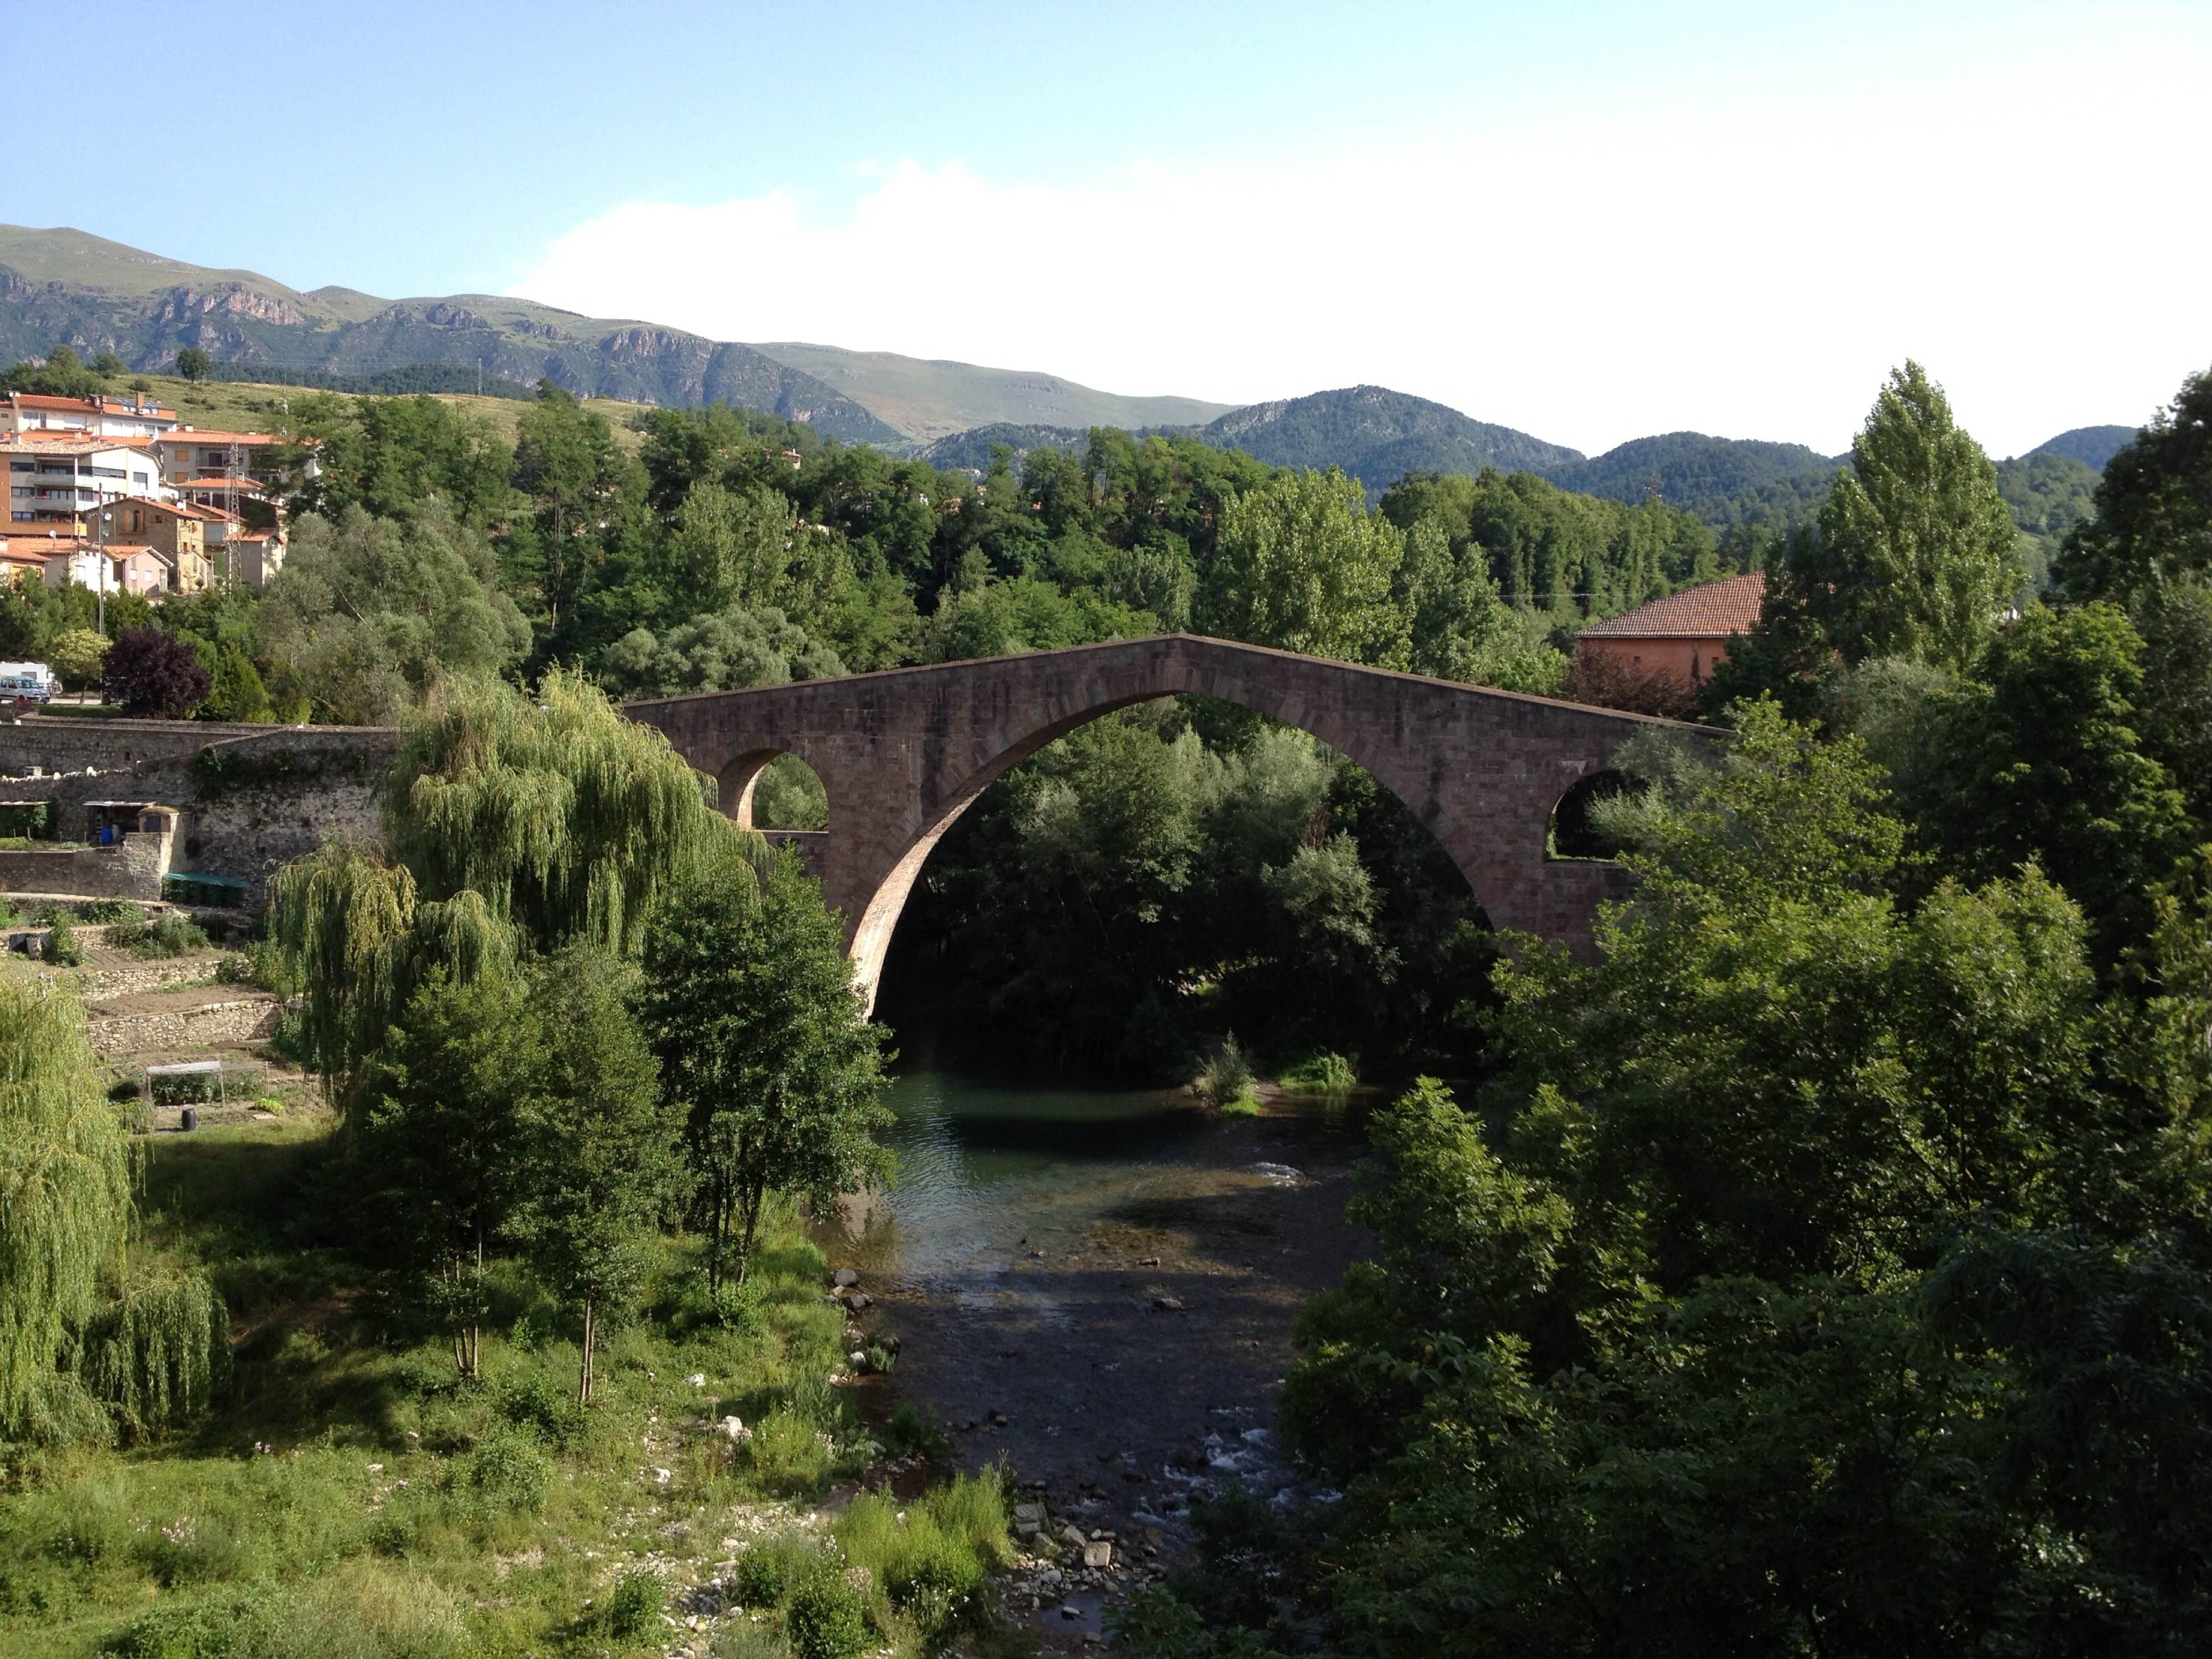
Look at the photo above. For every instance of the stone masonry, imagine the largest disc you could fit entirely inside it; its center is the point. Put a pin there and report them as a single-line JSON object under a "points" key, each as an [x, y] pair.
{"points": [[902, 753]]}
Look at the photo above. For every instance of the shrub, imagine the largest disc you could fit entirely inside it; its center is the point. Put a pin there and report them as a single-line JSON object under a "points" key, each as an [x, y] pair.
{"points": [[529, 1401], [931, 1563], [231, 1624], [770, 1570], [1324, 1073], [911, 1429], [825, 1619], [507, 1470], [59, 947], [169, 935], [788, 1453], [637, 1603], [1227, 1077], [100, 911]]}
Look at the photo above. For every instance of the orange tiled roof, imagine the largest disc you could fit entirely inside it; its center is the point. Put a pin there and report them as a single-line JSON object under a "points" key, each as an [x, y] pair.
{"points": [[105, 404], [1711, 610], [56, 437], [185, 434]]}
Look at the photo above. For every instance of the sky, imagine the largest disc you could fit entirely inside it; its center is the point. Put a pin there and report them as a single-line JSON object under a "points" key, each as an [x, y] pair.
{"points": [[1589, 222]]}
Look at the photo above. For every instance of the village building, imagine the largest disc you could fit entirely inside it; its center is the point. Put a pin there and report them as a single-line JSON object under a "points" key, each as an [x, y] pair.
{"points": [[189, 456], [252, 558], [1682, 637], [130, 567], [60, 479], [136, 416]]}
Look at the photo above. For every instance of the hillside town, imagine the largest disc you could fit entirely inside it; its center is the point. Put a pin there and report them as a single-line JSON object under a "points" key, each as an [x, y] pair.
{"points": [[111, 493]]}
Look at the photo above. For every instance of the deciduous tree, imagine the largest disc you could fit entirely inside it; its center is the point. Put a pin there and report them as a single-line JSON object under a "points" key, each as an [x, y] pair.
{"points": [[154, 675], [601, 1156], [764, 1043]]}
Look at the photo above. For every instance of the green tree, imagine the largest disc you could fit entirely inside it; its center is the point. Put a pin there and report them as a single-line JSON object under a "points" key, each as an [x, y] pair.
{"points": [[513, 826], [2039, 759], [65, 1203], [75, 654], [1919, 552], [1458, 627], [367, 612], [192, 363], [2153, 518], [239, 693], [1304, 566], [1806, 1283], [440, 1141], [724, 652], [600, 1159], [764, 1047], [565, 460]]}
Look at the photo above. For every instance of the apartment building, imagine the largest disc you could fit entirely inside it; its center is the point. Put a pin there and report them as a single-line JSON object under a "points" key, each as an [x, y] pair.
{"points": [[134, 415], [59, 478]]}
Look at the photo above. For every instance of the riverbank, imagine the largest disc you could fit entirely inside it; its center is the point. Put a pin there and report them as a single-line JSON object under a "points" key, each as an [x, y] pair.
{"points": [[1097, 1290]]}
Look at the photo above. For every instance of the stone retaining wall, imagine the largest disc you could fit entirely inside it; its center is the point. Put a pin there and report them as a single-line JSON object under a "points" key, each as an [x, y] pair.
{"points": [[253, 797], [211, 1024], [133, 868]]}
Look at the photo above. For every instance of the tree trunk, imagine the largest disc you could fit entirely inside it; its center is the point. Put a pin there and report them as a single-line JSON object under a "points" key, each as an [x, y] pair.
{"points": [[752, 1211], [476, 1330], [590, 1331]]}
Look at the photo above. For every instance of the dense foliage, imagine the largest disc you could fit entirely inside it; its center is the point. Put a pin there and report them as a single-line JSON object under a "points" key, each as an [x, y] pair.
{"points": [[1820, 1268]]}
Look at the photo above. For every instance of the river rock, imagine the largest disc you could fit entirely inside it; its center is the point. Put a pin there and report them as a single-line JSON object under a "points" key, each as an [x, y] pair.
{"points": [[1074, 1536], [1190, 1457], [1029, 1511], [1169, 1304], [1099, 1554], [996, 1418], [844, 1277]]}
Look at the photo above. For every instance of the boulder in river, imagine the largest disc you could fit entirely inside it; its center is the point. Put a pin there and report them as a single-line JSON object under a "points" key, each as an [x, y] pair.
{"points": [[843, 1277], [1099, 1554], [1169, 1304]]}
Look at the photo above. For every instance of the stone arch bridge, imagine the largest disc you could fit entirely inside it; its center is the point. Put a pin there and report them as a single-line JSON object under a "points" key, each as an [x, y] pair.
{"points": [[902, 753]]}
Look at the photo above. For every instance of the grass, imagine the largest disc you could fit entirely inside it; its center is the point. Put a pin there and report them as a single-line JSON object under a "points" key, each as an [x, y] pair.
{"points": [[353, 1496], [251, 407]]}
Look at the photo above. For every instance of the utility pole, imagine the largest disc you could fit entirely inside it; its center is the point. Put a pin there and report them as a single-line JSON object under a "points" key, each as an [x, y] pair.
{"points": [[100, 552]]}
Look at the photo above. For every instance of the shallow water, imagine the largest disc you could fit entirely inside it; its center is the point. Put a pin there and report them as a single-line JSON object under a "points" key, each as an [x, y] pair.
{"points": [[1030, 1234]]}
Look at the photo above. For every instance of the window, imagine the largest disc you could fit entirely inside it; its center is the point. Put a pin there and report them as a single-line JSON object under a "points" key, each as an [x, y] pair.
{"points": [[140, 479], [22, 466]]}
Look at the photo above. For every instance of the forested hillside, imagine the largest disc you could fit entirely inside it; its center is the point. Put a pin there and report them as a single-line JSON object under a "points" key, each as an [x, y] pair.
{"points": [[1377, 436]]}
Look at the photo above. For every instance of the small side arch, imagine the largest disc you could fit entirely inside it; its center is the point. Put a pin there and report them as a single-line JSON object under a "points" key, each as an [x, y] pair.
{"points": [[1574, 835], [773, 790]]}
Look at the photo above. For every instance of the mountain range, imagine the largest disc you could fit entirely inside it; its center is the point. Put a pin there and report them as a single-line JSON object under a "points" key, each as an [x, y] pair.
{"points": [[60, 285]]}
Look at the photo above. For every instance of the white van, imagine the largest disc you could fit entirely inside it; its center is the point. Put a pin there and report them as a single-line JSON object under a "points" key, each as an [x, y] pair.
{"points": [[27, 681]]}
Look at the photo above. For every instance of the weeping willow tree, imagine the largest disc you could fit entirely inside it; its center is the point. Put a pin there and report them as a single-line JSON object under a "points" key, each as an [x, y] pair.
{"points": [[155, 1354], [64, 1194], [511, 827]]}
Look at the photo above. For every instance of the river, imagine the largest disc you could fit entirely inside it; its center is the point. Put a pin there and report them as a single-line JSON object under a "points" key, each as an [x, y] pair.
{"points": [[1112, 1273]]}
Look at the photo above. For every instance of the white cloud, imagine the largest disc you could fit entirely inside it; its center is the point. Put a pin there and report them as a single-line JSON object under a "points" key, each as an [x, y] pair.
{"points": [[2037, 240]]}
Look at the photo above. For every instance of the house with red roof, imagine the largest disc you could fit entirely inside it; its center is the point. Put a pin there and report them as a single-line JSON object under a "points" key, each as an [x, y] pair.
{"points": [[1680, 637]]}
